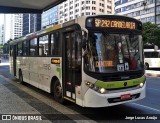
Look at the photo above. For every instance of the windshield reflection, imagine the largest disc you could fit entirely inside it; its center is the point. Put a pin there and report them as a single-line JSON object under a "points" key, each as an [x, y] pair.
{"points": [[113, 52]]}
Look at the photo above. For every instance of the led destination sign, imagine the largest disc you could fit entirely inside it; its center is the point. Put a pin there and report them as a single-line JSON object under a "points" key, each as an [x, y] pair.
{"points": [[113, 23]]}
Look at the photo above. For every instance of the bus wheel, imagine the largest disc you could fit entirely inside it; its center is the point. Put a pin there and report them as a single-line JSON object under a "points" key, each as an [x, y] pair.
{"points": [[146, 66], [20, 77], [58, 96]]}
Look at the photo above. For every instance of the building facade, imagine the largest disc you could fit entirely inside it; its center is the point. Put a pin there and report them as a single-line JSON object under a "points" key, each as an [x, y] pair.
{"points": [[12, 26], [71, 9], [16, 25], [50, 17], [157, 12], [2, 34], [31, 23], [143, 10]]}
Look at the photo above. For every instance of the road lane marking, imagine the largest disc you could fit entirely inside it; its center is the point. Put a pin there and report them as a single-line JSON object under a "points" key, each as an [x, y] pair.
{"points": [[146, 107]]}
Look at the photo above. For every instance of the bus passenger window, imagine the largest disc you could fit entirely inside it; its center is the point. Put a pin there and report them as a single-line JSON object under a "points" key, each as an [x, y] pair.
{"points": [[55, 44], [33, 47], [43, 45], [25, 48], [19, 51], [11, 50]]}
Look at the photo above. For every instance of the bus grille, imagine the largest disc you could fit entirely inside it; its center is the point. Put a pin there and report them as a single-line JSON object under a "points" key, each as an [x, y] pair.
{"points": [[121, 76]]}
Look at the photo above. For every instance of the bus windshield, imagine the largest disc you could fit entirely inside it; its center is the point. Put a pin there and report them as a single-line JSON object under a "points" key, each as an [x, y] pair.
{"points": [[108, 53]]}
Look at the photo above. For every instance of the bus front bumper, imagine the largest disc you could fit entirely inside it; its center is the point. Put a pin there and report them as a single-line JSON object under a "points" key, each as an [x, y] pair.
{"points": [[95, 99]]}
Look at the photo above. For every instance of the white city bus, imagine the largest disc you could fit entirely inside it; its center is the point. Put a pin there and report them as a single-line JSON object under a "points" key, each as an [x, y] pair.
{"points": [[93, 61], [152, 58]]}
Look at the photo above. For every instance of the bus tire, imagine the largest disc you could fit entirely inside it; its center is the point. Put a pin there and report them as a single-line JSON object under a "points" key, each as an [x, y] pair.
{"points": [[20, 77], [146, 66], [58, 93]]}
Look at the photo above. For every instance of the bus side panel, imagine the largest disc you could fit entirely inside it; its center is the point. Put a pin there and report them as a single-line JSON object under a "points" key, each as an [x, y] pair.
{"points": [[18, 66], [25, 69], [23, 66], [11, 65], [33, 70], [43, 68], [56, 70]]}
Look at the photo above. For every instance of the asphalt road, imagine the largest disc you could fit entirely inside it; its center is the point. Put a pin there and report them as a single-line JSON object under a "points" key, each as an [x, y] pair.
{"points": [[43, 103]]}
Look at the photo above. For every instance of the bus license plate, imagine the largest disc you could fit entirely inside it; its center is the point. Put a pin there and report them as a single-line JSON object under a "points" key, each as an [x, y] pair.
{"points": [[125, 96]]}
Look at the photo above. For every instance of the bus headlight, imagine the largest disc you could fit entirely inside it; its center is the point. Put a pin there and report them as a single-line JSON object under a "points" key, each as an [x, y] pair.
{"points": [[102, 90], [141, 84], [95, 88]]}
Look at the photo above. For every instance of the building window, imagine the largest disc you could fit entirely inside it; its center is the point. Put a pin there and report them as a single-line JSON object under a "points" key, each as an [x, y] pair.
{"points": [[76, 16], [87, 8], [19, 50], [93, 2], [65, 5], [87, 13], [93, 8], [71, 18], [77, 5], [124, 1], [71, 2], [77, 10], [71, 12], [71, 7], [109, 7], [87, 2]]}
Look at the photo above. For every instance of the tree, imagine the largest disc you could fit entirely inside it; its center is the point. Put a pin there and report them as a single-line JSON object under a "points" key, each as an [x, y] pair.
{"points": [[151, 34]]}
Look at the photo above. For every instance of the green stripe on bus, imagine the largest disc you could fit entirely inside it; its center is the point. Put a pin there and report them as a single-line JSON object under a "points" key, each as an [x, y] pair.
{"points": [[59, 71], [120, 84]]}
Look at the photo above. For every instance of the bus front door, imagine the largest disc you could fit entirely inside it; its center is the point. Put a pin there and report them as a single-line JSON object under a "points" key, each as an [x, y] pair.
{"points": [[72, 64]]}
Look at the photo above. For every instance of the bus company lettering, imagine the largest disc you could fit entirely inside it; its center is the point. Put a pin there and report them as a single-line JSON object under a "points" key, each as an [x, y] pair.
{"points": [[115, 24]]}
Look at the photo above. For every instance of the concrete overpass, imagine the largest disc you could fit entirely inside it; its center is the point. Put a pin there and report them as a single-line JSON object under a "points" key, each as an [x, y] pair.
{"points": [[27, 6]]}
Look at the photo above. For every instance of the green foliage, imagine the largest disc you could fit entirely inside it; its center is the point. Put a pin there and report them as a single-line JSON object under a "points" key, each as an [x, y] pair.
{"points": [[151, 34], [1, 46]]}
